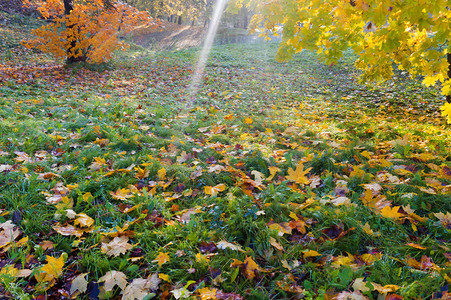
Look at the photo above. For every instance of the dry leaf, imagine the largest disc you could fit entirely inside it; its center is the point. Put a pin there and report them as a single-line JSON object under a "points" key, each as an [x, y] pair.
{"points": [[116, 247], [52, 270], [214, 190], [162, 258], [79, 284], [226, 245], [207, 293], [249, 267], [97, 164], [356, 295], [113, 278], [391, 213], [67, 230], [84, 220], [121, 194], [162, 173], [298, 176], [137, 289], [9, 233], [275, 244]]}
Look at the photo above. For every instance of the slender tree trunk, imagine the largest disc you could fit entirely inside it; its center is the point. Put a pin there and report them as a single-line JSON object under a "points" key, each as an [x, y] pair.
{"points": [[180, 20], [448, 58], [68, 7], [245, 17]]}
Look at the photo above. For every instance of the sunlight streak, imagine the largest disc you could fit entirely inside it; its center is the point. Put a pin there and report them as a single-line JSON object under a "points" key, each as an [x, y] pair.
{"points": [[208, 43]]}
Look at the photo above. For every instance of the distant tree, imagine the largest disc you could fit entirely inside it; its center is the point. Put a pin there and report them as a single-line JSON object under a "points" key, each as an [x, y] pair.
{"points": [[242, 9], [413, 35], [84, 30]]}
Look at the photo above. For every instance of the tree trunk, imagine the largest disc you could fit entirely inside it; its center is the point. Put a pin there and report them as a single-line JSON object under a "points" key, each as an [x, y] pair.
{"points": [[180, 20], [448, 58], [68, 7], [245, 17]]}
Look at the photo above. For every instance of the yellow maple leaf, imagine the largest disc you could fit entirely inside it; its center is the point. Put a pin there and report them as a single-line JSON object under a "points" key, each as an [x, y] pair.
{"points": [[368, 199], [298, 176], [310, 253], [52, 270], [97, 164], [87, 196], [165, 277], [446, 111], [214, 190], [391, 212], [9, 271], [207, 293], [273, 171], [121, 194], [248, 121], [367, 229], [445, 219], [250, 267], [203, 259], [162, 173], [84, 220], [429, 80], [141, 173], [162, 257]]}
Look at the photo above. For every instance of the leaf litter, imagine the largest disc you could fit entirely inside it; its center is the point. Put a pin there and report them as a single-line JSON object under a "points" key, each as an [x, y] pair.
{"points": [[283, 181]]}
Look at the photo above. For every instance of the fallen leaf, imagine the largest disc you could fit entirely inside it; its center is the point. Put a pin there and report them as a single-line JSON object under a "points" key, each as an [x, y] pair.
{"points": [[9, 233], [162, 257], [356, 295], [52, 270], [310, 253], [119, 245], [298, 176], [84, 220], [248, 121], [161, 173], [226, 245], [248, 266], [413, 245], [275, 244], [214, 190], [113, 278], [207, 293], [67, 230], [137, 289], [79, 284], [121, 194], [391, 213]]}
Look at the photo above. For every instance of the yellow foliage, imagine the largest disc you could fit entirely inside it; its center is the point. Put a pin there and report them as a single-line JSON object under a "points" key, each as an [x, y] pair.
{"points": [[408, 34]]}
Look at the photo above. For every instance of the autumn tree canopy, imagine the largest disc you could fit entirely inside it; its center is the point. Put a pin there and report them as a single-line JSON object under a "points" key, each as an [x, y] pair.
{"points": [[84, 30], [408, 35]]}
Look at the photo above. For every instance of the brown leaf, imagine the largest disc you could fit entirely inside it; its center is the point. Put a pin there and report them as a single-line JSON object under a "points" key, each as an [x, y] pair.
{"points": [[79, 284], [119, 245], [113, 278]]}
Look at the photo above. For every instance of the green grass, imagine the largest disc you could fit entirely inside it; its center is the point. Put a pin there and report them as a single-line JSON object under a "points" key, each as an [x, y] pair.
{"points": [[133, 113]]}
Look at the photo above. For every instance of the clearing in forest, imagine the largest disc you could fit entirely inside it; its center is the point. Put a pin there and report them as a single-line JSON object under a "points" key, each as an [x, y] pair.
{"points": [[282, 180]]}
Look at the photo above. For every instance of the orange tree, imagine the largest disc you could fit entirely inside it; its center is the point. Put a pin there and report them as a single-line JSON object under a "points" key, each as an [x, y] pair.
{"points": [[84, 30], [413, 35]]}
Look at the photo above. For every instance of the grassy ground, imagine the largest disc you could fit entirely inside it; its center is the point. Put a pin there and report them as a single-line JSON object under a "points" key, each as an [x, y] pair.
{"points": [[280, 181]]}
